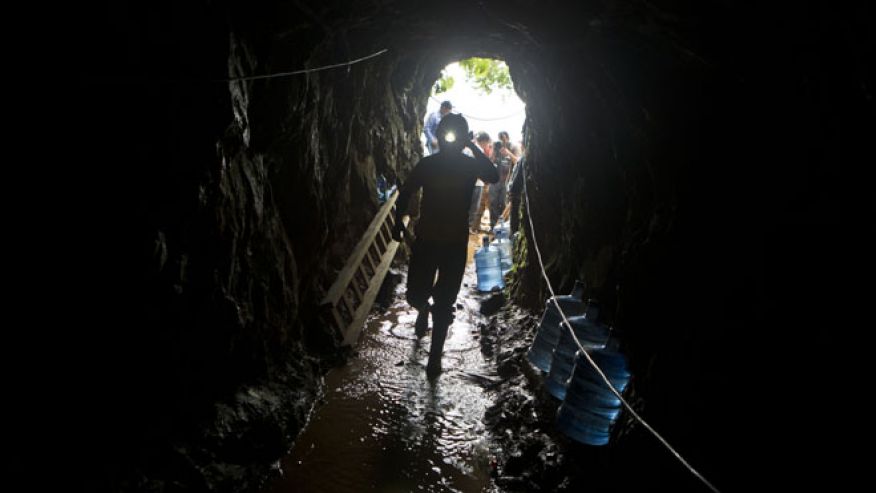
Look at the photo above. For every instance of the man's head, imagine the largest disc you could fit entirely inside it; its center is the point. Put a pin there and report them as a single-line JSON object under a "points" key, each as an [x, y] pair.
{"points": [[497, 147], [483, 140], [445, 108], [504, 137], [452, 132]]}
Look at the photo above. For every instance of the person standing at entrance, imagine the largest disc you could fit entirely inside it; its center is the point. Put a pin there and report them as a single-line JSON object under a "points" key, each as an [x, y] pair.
{"points": [[506, 156], [431, 127], [447, 178], [476, 211]]}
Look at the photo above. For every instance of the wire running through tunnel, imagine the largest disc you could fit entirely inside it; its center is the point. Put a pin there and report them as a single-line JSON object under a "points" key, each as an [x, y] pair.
{"points": [[307, 70], [590, 360]]}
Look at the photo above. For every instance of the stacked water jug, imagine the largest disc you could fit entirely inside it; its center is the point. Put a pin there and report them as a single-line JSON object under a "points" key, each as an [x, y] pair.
{"points": [[590, 333], [489, 267], [502, 232], [541, 351], [589, 408], [502, 228]]}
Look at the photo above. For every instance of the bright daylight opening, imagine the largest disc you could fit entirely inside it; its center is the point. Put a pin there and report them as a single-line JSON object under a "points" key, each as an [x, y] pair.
{"points": [[481, 90]]}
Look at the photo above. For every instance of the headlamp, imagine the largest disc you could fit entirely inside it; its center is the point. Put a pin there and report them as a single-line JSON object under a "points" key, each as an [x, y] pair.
{"points": [[450, 137]]}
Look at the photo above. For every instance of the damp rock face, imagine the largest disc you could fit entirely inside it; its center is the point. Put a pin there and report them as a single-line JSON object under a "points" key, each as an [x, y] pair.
{"points": [[674, 150]]}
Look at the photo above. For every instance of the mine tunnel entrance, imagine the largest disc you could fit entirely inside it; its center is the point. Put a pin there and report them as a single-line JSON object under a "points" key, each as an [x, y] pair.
{"points": [[678, 155], [482, 91], [384, 425]]}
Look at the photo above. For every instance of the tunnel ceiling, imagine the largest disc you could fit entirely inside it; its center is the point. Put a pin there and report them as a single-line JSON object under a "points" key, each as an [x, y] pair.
{"points": [[678, 155]]}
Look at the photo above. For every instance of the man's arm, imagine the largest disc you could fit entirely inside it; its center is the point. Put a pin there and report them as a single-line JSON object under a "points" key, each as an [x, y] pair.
{"points": [[509, 154], [408, 188], [430, 129], [486, 169]]}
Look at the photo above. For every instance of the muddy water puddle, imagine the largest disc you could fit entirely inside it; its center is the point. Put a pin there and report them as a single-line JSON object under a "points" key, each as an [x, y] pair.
{"points": [[385, 427]]}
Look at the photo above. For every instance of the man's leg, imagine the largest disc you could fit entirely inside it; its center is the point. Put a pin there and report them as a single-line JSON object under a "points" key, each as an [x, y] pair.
{"points": [[497, 202], [421, 277], [451, 267], [485, 203], [474, 220]]}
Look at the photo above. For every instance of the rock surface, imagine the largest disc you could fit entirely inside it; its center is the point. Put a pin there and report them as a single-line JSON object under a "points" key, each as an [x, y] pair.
{"points": [[680, 156]]}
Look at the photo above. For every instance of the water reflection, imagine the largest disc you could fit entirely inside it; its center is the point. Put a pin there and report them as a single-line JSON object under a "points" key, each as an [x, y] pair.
{"points": [[386, 427]]}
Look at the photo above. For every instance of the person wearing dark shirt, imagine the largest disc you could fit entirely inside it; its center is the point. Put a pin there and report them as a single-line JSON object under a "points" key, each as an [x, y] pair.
{"points": [[476, 211], [441, 241]]}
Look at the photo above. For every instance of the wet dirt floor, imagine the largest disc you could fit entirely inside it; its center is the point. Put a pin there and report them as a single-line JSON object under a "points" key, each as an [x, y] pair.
{"points": [[385, 427]]}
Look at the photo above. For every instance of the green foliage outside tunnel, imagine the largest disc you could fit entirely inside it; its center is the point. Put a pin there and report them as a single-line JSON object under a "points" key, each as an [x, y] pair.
{"points": [[485, 74]]}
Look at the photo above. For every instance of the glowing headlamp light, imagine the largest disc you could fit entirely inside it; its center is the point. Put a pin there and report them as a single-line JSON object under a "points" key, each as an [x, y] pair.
{"points": [[450, 137]]}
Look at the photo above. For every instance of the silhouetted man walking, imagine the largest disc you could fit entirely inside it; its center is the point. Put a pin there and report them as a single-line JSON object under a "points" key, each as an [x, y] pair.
{"points": [[447, 178]]}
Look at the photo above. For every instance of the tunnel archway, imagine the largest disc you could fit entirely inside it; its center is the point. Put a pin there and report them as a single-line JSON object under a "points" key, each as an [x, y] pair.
{"points": [[482, 90], [222, 250]]}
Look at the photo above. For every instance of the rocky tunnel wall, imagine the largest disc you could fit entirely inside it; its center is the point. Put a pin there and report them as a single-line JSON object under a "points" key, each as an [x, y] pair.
{"points": [[669, 144], [233, 207]]}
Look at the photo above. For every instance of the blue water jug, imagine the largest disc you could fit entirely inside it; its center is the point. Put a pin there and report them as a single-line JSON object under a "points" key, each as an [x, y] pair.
{"points": [[381, 189], [502, 230], [590, 409], [503, 244], [541, 351], [489, 267], [591, 334]]}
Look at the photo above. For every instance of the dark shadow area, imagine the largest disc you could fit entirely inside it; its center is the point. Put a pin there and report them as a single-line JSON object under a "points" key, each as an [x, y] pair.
{"points": [[691, 161]]}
